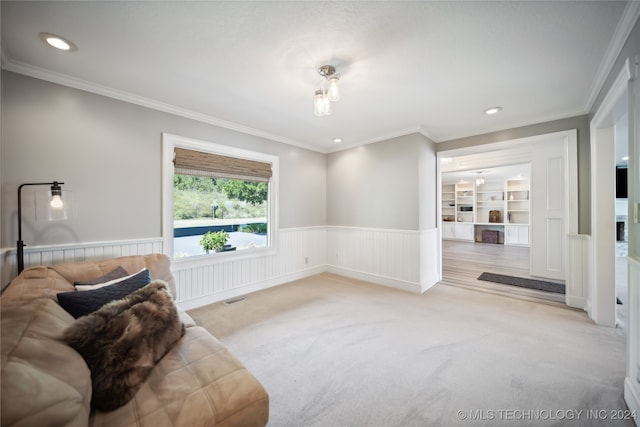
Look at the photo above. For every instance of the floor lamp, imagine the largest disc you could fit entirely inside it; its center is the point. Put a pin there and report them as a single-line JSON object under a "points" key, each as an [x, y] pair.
{"points": [[56, 203]]}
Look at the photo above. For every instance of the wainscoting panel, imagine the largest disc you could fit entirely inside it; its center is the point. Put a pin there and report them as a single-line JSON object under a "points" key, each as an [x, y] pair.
{"points": [[59, 254], [386, 257], [429, 258], [632, 381], [301, 253], [578, 278]]}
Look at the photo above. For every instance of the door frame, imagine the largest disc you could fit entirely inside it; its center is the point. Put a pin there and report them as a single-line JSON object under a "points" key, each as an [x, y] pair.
{"points": [[516, 151], [602, 289]]}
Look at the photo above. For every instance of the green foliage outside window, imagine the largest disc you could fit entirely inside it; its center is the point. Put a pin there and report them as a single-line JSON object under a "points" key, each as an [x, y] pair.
{"points": [[195, 197], [250, 192]]}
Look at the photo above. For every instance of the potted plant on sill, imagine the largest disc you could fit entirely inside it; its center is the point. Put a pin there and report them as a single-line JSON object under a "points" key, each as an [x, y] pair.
{"points": [[215, 241]]}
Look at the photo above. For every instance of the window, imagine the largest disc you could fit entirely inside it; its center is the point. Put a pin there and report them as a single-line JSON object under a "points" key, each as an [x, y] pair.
{"points": [[217, 199]]}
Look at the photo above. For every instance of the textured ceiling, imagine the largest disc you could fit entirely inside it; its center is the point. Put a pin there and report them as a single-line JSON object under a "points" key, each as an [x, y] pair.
{"points": [[429, 67]]}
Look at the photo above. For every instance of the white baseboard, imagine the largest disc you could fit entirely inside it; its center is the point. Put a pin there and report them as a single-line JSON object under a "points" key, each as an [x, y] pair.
{"points": [[632, 397], [378, 280], [577, 302], [192, 303]]}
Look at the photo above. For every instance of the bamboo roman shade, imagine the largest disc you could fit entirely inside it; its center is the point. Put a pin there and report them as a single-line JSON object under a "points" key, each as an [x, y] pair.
{"points": [[198, 163]]}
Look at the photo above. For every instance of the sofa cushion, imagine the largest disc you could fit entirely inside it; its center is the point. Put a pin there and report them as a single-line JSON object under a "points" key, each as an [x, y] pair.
{"points": [[122, 342], [82, 303], [117, 273], [47, 281], [159, 265], [44, 381], [198, 383], [125, 278]]}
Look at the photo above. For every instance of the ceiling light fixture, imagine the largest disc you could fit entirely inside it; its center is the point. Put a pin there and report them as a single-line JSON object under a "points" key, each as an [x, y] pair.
{"points": [[492, 110], [337, 140], [625, 159], [57, 41], [479, 179], [330, 93]]}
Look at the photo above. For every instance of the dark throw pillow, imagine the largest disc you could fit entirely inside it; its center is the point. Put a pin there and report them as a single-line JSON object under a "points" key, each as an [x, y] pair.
{"points": [[80, 303], [117, 273], [122, 342]]}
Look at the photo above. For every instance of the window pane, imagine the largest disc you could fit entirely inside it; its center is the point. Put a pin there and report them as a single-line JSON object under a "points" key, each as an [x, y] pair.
{"points": [[204, 205]]}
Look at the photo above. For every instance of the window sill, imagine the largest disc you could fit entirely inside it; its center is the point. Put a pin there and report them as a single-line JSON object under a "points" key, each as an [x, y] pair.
{"points": [[221, 257]]}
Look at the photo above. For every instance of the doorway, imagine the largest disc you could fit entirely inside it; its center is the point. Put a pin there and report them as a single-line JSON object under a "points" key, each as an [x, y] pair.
{"points": [[621, 143], [554, 165], [493, 204], [609, 131]]}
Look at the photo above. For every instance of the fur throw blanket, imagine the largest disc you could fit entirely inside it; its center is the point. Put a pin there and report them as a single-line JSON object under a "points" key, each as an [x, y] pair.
{"points": [[122, 341]]}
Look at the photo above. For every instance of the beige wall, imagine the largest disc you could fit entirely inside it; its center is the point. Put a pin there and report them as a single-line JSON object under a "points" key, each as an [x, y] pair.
{"points": [[109, 153]]}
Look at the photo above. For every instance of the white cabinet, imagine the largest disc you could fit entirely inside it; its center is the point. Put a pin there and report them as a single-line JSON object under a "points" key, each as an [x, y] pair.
{"points": [[516, 235], [464, 231], [458, 231], [448, 230]]}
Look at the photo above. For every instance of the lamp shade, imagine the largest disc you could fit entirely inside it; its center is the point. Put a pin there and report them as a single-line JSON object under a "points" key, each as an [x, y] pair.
{"points": [[321, 106], [54, 208], [334, 88]]}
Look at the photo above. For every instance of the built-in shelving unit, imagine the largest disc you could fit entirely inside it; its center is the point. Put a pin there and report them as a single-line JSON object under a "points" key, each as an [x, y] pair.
{"points": [[518, 201], [464, 202], [469, 208], [449, 202], [490, 203]]}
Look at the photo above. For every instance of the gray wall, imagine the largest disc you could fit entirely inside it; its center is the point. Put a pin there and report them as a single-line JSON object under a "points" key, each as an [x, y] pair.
{"points": [[389, 184], [581, 123], [108, 153]]}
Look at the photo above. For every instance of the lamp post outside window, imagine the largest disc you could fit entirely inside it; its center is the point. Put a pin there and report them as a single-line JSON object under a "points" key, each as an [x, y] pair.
{"points": [[55, 204]]}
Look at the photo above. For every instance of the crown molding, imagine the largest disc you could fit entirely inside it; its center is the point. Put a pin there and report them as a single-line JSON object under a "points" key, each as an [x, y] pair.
{"points": [[385, 137], [87, 86], [625, 25]]}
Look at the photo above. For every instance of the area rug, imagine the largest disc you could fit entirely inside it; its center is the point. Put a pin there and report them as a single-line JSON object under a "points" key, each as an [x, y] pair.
{"points": [[522, 282]]}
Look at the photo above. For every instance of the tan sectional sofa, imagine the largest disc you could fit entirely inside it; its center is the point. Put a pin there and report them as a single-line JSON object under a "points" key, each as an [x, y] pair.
{"points": [[45, 382]]}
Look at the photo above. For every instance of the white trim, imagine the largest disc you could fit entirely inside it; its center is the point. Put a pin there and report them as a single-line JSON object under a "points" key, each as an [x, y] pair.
{"points": [[430, 258], [618, 88], [169, 142], [624, 28], [57, 247], [384, 256], [632, 399], [503, 145], [601, 295], [390, 135], [570, 170], [578, 278], [87, 86], [571, 178], [386, 230], [75, 252], [192, 303], [515, 125], [374, 278]]}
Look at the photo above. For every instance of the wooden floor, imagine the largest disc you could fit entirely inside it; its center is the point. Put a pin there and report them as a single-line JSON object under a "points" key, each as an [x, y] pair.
{"points": [[463, 262]]}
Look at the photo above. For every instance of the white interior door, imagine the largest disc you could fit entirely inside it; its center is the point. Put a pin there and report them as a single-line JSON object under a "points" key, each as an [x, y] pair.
{"points": [[548, 210]]}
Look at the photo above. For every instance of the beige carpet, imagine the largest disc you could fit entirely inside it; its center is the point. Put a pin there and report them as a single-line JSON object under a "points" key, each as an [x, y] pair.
{"points": [[336, 352]]}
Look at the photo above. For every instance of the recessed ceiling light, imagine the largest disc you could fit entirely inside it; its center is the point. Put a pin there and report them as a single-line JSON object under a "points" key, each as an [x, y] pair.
{"points": [[337, 140], [492, 110], [625, 159], [57, 41]]}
